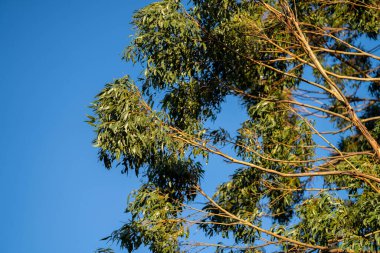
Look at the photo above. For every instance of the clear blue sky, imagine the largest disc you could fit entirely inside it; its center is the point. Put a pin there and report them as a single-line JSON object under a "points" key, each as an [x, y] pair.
{"points": [[55, 56]]}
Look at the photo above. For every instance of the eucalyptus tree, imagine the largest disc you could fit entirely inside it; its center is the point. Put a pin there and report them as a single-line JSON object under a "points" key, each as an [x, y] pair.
{"points": [[307, 153]]}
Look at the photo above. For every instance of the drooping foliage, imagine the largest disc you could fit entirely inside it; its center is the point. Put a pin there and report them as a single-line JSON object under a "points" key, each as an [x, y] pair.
{"points": [[307, 76]]}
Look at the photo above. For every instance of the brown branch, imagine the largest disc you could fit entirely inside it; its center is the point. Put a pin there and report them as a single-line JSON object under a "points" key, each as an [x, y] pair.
{"points": [[249, 224], [282, 174], [292, 23]]}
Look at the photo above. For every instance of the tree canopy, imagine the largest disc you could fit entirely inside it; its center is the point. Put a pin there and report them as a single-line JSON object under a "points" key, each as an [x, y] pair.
{"points": [[307, 76]]}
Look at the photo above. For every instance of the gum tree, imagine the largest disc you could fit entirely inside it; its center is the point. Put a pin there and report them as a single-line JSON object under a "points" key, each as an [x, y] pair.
{"points": [[307, 154]]}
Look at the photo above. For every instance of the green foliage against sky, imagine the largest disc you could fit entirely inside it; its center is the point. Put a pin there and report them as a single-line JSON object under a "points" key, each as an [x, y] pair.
{"points": [[308, 151]]}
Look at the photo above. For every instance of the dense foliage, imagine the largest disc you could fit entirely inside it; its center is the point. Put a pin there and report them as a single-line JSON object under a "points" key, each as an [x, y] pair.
{"points": [[308, 78]]}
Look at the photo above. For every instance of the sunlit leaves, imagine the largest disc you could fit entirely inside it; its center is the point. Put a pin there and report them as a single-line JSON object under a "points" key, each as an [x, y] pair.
{"points": [[154, 223], [193, 58], [136, 137]]}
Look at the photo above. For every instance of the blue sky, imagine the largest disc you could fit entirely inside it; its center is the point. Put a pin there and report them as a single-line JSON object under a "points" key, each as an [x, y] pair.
{"points": [[55, 57]]}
